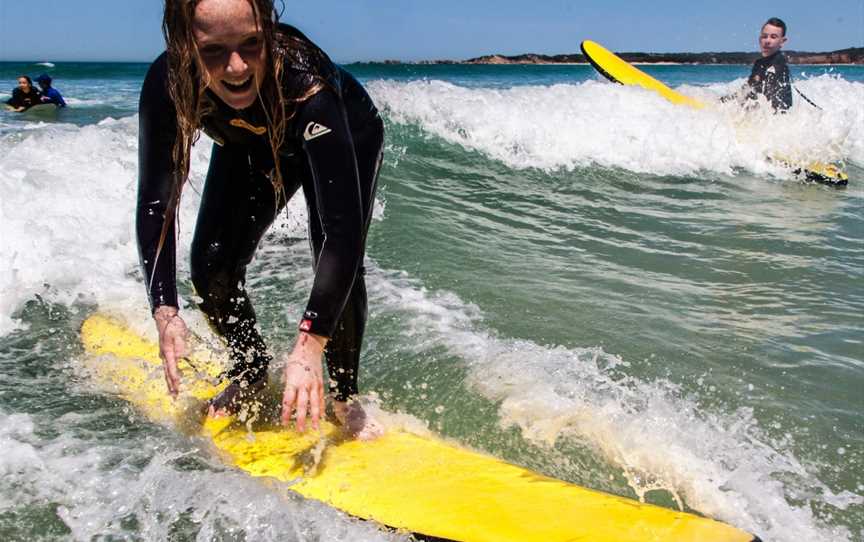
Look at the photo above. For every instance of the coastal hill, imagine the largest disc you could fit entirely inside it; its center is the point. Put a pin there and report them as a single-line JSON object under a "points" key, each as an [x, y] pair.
{"points": [[854, 55]]}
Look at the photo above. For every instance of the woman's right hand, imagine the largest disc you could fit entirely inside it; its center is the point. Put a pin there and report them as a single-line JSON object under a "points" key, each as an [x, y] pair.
{"points": [[304, 383], [172, 344]]}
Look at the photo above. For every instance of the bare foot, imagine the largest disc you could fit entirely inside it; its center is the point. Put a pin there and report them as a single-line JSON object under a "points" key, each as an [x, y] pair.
{"points": [[239, 398], [356, 422]]}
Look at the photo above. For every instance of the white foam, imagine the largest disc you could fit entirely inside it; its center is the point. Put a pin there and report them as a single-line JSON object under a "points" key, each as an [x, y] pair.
{"points": [[67, 197], [83, 102], [720, 463], [577, 125], [67, 205], [67, 216], [163, 483], [60, 220]]}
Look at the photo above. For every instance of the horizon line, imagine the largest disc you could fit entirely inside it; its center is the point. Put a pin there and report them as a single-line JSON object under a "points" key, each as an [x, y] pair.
{"points": [[430, 60]]}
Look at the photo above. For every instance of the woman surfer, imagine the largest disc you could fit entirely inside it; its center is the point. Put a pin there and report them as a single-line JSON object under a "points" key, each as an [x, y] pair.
{"points": [[24, 96], [283, 117]]}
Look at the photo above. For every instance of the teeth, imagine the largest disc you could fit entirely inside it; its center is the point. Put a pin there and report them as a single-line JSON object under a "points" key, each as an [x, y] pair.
{"points": [[240, 84]]}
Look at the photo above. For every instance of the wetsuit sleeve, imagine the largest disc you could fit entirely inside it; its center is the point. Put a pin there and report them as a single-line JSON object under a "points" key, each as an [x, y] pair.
{"points": [[156, 133], [755, 81], [327, 142], [53, 97], [738, 96]]}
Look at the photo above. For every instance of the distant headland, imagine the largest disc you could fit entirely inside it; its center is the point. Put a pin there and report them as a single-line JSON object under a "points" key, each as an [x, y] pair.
{"points": [[853, 55]]}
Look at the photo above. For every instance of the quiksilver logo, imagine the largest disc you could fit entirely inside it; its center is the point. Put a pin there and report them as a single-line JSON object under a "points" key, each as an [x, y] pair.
{"points": [[313, 130]]}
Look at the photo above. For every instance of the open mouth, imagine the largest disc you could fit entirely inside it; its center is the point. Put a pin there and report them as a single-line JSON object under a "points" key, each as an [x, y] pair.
{"points": [[238, 87]]}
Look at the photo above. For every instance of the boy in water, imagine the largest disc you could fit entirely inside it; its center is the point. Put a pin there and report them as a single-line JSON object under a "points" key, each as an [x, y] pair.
{"points": [[770, 74], [50, 95]]}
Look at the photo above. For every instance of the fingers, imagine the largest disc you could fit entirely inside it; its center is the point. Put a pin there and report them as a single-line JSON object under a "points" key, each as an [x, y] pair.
{"points": [[179, 339], [304, 393], [172, 374], [321, 402], [167, 379], [288, 403], [302, 405], [315, 404], [302, 402], [172, 345], [172, 349]]}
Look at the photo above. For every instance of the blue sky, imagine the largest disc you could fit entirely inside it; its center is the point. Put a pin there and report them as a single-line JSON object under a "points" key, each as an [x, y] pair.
{"points": [[362, 30]]}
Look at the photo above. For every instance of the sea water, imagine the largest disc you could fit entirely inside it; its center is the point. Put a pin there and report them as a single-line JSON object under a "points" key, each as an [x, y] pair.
{"points": [[569, 274]]}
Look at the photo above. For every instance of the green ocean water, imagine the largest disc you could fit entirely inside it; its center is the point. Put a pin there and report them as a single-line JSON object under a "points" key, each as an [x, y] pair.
{"points": [[568, 274]]}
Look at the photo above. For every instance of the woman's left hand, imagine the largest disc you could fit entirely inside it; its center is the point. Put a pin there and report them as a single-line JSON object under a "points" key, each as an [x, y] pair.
{"points": [[304, 383]]}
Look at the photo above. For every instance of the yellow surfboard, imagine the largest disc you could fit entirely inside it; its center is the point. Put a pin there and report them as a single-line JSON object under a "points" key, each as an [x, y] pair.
{"points": [[620, 71], [404, 481]]}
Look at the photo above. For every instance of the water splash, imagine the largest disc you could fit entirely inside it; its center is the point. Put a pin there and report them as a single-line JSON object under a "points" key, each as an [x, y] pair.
{"points": [[595, 123]]}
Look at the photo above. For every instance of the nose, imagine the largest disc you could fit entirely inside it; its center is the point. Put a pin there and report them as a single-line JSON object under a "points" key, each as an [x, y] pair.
{"points": [[236, 64]]}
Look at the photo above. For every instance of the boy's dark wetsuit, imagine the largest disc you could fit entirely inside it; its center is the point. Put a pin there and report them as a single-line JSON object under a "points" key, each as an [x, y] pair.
{"points": [[332, 149], [770, 77], [19, 99]]}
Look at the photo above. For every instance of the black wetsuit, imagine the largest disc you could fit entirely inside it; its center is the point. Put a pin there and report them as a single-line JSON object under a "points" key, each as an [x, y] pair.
{"points": [[332, 150], [19, 99], [770, 78]]}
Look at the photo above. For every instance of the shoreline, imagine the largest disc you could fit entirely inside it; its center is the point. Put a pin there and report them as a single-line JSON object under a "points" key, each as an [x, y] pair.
{"points": [[458, 63], [844, 57]]}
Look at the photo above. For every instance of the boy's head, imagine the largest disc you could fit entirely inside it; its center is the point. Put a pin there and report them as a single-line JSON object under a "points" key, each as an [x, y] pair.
{"points": [[44, 81], [772, 37]]}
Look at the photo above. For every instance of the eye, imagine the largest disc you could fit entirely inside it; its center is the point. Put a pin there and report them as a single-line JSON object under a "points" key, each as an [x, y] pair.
{"points": [[252, 44], [212, 51]]}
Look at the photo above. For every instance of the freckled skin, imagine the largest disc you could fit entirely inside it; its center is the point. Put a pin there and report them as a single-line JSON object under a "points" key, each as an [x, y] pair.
{"points": [[331, 150], [230, 47]]}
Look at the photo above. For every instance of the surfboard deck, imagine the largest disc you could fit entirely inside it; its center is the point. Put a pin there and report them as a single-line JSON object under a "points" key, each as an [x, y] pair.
{"points": [[404, 481], [618, 70], [41, 111]]}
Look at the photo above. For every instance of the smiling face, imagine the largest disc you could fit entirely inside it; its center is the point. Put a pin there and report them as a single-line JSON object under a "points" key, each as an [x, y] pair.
{"points": [[231, 50], [771, 39], [24, 85]]}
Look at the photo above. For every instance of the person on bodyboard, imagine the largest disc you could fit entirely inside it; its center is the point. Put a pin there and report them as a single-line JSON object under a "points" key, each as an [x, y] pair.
{"points": [[24, 96]]}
